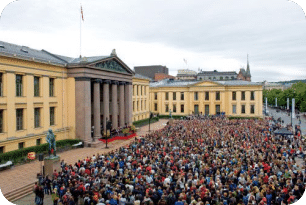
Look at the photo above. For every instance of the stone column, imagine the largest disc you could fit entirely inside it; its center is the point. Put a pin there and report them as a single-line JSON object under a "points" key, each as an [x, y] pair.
{"points": [[96, 108], [105, 103], [114, 104], [83, 109], [128, 102], [121, 104]]}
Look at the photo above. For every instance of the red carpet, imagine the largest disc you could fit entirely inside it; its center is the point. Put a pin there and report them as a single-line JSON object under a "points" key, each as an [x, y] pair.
{"points": [[118, 138]]}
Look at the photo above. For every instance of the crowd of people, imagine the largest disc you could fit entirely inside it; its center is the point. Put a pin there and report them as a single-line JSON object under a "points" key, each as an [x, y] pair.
{"points": [[198, 161]]}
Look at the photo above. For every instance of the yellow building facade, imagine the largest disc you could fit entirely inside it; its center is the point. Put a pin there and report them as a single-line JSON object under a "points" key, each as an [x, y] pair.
{"points": [[34, 97], [234, 98], [141, 100]]}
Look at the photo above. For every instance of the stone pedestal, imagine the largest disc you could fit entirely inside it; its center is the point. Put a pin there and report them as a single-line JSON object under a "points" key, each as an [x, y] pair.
{"points": [[171, 121], [52, 163]]}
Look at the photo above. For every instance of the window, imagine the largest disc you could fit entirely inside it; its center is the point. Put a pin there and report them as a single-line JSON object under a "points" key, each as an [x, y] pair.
{"points": [[155, 106], [242, 109], [174, 95], [18, 85], [218, 109], [242, 95], [166, 108], [221, 78], [182, 108], [145, 104], [155, 96], [20, 145], [196, 109], [252, 111], [174, 107], [234, 95], [52, 116], [1, 121], [1, 84], [36, 86], [36, 117], [141, 105], [133, 106], [137, 107], [51, 87], [141, 89], [234, 109], [137, 89], [182, 95], [19, 119], [196, 96], [38, 141], [252, 95], [1, 149], [206, 95], [167, 96], [144, 90], [206, 109], [218, 95], [232, 78]]}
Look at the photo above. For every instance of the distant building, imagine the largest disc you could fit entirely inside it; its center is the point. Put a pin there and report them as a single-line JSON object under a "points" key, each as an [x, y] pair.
{"points": [[216, 75], [270, 86], [245, 74], [149, 71], [186, 74], [162, 76]]}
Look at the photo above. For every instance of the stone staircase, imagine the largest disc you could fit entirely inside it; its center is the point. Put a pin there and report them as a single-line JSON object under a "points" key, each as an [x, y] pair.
{"points": [[19, 192]]}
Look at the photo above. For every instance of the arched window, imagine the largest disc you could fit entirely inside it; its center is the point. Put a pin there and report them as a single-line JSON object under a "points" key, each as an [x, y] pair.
{"points": [[221, 78]]}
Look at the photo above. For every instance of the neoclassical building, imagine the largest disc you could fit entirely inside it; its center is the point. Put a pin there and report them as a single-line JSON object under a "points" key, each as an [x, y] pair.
{"points": [[41, 90], [235, 98], [141, 100]]}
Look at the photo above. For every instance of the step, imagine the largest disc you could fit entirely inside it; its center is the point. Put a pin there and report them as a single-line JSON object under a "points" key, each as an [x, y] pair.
{"points": [[19, 193]]}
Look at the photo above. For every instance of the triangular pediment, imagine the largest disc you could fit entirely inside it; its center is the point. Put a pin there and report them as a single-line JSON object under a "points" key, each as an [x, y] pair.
{"points": [[207, 83], [112, 64]]}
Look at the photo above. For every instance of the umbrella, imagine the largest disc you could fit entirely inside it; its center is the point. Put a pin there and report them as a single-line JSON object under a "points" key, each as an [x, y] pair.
{"points": [[283, 131]]}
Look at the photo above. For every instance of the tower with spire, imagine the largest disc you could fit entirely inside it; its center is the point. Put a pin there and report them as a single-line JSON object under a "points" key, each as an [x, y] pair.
{"points": [[245, 74]]}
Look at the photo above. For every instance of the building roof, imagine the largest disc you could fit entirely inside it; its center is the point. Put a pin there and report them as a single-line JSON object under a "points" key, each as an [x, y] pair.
{"points": [[181, 83], [142, 77], [43, 56], [217, 73]]}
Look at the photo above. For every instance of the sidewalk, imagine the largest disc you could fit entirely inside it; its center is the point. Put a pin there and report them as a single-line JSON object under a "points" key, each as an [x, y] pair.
{"points": [[22, 175]]}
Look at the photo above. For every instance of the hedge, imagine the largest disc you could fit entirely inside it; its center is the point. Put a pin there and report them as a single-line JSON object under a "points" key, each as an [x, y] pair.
{"points": [[241, 118], [144, 122], [20, 154], [173, 116]]}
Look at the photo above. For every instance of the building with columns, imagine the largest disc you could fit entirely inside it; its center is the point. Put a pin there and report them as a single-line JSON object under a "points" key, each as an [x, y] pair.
{"points": [[41, 90]]}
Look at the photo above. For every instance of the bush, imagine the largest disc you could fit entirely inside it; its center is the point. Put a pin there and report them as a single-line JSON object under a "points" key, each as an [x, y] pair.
{"points": [[144, 122], [241, 118], [21, 154], [173, 116]]}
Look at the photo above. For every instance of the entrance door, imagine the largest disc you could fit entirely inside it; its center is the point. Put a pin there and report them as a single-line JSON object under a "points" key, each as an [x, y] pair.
{"points": [[218, 109], [206, 109], [196, 109]]}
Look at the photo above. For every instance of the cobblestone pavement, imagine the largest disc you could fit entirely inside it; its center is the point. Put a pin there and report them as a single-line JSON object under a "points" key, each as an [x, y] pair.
{"points": [[22, 175]]}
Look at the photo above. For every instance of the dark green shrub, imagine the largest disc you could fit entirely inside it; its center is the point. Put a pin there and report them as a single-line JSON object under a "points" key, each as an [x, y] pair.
{"points": [[21, 154], [144, 122]]}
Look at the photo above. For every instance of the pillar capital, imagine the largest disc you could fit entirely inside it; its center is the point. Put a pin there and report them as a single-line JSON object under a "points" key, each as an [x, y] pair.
{"points": [[107, 81], [121, 83], [97, 80], [115, 82], [128, 83], [82, 79]]}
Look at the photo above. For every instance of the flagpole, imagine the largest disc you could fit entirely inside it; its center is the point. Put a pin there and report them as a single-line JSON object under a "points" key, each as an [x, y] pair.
{"points": [[80, 30]]}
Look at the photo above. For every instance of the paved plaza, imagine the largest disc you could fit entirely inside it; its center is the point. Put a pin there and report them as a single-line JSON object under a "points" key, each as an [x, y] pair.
{"points": [[22, 175], [287, 119]]}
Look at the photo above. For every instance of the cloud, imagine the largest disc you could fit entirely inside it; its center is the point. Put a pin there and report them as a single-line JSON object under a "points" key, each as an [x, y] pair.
{"points": [[210, 34]]}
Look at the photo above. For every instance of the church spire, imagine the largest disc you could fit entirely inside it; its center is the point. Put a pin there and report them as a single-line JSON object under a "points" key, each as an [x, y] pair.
{"points": [[248, 72]]}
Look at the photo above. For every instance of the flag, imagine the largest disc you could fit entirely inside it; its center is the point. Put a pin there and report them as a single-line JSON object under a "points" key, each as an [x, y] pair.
{"points": [[82, 13]]}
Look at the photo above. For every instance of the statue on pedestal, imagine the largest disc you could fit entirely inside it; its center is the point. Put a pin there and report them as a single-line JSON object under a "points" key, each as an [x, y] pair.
{"points": [[170, 113], [52, 143]]}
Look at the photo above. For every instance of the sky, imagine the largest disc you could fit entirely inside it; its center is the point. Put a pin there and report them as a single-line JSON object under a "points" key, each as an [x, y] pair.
{"points": [[209, 34]]}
